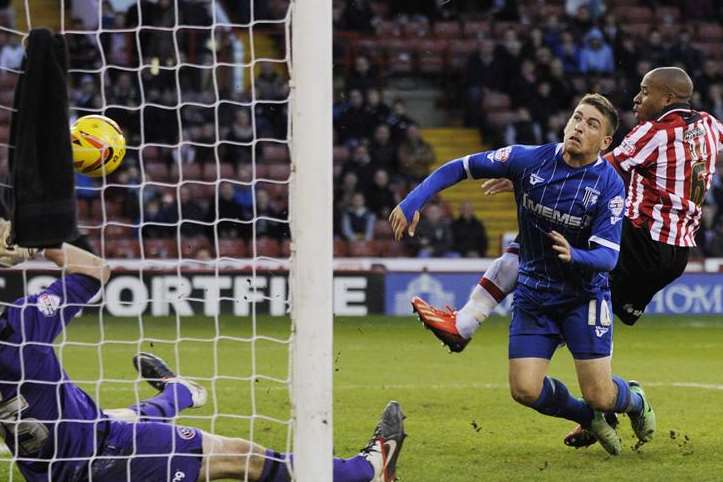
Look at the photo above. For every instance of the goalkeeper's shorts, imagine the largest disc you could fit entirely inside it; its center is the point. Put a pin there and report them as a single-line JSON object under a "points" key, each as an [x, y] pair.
{"points": [[149, 451]]}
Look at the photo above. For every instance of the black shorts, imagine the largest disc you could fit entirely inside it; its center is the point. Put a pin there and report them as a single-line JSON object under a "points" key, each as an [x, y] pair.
{"points": [[644, 268]]}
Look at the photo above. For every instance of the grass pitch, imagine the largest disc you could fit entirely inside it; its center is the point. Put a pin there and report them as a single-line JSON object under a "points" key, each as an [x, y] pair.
{"points": [[462, 424]]}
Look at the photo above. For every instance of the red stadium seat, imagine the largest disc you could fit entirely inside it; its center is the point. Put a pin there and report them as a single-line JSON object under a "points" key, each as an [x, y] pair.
{"points": [[459, 52], [341, 250], [634, 14], [476, 28], [449, 30], [391, 249], [150, 153], [359, 249], [371, 47], [341, 154], [431, 55], [710, 50], [232, 248], [382, 230], [388, 29], [279, 172], [274, 152], [268, 247], [116, 232], [416, 29], [638, 30], [671, 14], [191, 172], [495, 101], [160, 248], [285, 248], [400, 58], [7, 97], [190, 247], [156, 171], [226, 170], [262, 172], [124, 248], [499, 28], [553, 9], [4, 134], [710, 32], [501, 119]]}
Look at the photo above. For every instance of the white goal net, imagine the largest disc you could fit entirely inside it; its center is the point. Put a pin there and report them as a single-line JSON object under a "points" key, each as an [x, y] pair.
{"points": [[198, 221]]}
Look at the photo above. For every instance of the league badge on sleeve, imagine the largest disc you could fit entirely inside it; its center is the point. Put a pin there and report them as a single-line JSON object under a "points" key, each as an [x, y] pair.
{"points": [[48, 304], [616, 206], [500, 155]]}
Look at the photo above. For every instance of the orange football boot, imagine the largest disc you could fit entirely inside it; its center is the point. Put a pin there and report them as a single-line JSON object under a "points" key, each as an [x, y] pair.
{"points": [[442, 323]]}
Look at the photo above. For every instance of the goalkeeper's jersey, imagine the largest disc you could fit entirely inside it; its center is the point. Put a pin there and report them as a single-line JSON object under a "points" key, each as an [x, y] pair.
{"points": [[45, 416]]}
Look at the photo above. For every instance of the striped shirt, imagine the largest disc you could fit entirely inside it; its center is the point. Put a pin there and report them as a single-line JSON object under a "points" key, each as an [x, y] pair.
{"points": [[671, 162]]}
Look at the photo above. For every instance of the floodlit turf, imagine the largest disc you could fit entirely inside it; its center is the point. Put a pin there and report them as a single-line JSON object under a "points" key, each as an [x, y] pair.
{"points": [[462, 424]]}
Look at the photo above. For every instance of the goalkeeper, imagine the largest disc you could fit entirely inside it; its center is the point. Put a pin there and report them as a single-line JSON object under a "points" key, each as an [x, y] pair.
{"points": [[56, 432]]}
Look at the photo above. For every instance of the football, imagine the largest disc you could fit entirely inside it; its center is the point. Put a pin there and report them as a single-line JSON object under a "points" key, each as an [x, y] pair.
{"points": [[98, 145]]}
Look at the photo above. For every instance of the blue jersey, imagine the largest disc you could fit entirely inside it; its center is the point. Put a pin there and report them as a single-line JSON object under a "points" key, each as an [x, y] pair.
{"points": [[584, 204], [57, 419]]}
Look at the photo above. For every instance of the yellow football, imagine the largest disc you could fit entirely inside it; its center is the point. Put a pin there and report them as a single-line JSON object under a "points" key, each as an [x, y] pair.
{"points": [[98, 145]]}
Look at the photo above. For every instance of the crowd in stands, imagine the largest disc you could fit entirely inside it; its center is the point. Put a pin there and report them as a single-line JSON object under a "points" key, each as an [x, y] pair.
{"points": [[511, 68], [517, 67]]}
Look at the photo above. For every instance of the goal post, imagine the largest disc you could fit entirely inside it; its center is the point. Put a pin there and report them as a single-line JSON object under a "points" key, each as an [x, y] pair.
{"points": [[310, 215]]}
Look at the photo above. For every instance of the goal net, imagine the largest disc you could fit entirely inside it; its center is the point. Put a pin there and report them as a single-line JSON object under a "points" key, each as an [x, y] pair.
{"points": [[218, 222]]}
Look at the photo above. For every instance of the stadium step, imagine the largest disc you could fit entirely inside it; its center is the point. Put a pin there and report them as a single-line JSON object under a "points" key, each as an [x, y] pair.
{"points": [[498, 212], [44, 13]]}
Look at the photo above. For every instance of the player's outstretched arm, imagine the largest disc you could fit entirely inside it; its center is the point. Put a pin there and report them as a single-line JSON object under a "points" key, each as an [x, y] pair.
{"points": [[76, 260]]}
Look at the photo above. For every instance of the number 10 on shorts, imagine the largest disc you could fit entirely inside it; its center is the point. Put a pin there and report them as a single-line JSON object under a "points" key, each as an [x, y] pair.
{"points": [[599, 310]]}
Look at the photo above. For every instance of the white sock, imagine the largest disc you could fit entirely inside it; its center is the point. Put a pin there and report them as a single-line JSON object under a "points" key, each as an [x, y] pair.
{"points": [[495, 285]]}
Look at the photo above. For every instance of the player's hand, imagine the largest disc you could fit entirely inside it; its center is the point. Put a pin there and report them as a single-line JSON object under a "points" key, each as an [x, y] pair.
{"points": [[10, 255], [399, 223], [560, 244], [495, 186]]}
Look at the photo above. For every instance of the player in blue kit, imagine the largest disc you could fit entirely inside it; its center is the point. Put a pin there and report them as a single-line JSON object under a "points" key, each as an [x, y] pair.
{"points": [[57, 433], [570, 204]]}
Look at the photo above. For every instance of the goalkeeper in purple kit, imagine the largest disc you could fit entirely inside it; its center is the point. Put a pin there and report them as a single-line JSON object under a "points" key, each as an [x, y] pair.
{"points": [[56, 433]]}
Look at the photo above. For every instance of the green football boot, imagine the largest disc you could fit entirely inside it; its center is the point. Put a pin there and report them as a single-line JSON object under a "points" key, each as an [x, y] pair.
{"points": [[605, 434], [644, 423]]}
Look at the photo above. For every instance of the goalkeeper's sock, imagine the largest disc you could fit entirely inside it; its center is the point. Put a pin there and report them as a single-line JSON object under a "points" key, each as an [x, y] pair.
{"points": [[166, 405], [555, 400], [627, 401], [355, 469]]}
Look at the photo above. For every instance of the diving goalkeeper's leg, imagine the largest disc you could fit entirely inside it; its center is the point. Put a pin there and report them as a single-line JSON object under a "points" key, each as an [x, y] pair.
{"points": [[456, 328], [176, 393]]}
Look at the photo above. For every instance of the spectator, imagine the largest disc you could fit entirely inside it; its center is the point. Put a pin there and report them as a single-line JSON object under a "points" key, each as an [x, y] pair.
{"points": [[554, 127], [561, 88], [470, 236], [569, 53], [358, 222], [361, 165], [543, 105], [415, 155], [683, 52], [482, 72], [524, 84], [240, 132], [383, 153], [509, 53], [381, 198], [231, 210], [378, 111], [655, 52], [399, 121], [597, 56], [581, 22], [269, 221], [535, 41], [523, 130], [194, 213], [433, 237], [344, 191], [363, 77], [159, 219], [710, 75], [11, 55], [354, 122], [627, 57]]}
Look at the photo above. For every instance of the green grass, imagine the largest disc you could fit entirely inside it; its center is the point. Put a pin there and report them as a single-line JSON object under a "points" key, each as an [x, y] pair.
{"points": [[463, 425]]}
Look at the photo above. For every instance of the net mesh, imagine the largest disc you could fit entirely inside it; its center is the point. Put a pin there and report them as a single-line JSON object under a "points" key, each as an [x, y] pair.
{"points": [[195, 220]]}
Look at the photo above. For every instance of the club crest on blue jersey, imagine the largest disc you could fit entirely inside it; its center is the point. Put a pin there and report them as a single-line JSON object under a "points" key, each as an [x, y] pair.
{"points": [[616, 206], [186, 433], [590, 197], [535, 179], [48, 304], [500, 155]]}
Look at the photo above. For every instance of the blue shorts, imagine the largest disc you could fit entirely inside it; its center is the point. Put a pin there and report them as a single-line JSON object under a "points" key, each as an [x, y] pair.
{"points": [[149, 451], [537, 330]]}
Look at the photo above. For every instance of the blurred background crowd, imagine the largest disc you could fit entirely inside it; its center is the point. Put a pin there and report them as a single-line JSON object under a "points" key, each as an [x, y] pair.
{"points": [[208, 154]]}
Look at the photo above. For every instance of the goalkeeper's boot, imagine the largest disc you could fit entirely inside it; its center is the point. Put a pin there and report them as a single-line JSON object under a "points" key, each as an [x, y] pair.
{"points": [[442, 323], [605, 434], [582, 438], [156, 372], [643, 423], [383, 448]]}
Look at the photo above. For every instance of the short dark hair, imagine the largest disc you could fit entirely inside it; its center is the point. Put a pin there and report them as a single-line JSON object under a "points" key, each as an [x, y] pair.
{"points": [[606, 108]]}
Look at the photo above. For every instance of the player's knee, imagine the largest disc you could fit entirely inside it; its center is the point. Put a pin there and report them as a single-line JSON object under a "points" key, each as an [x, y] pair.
{"points": [[524, 394], [599, 397]]}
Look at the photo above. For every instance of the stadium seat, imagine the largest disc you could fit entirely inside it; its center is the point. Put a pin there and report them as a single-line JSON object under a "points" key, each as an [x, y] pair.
{"points": [[363, 249], [459, 52], [550, 9], [431, 55], [8, 81], [262, 172], [160, 248], [634, 14], [495, 101], [226, 170], [476, 28], [190, 247], [665, 13], [501, 119], [191, 172], [710, 32], [96, 246], [112, 211], [285, 248], [268, 247], [341, 250], [388, 29], [416, 29], [450, 30], [499, 28], [341, 154], [389, 248], [116, 232], [7, 97], [371, 48], [710, 50], [156, 171], [638, 30], [382, 230], [400, 58], [123, 248], [274, 152], [232, 248], [150, 153], [4, 134], [279, 172]]}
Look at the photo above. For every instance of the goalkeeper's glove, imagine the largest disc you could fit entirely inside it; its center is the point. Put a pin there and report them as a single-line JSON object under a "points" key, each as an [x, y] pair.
{"points": [[10, 255]]}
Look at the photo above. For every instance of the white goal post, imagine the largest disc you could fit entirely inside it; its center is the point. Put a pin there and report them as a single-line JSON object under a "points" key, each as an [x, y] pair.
{"points": [[310, 215]]}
